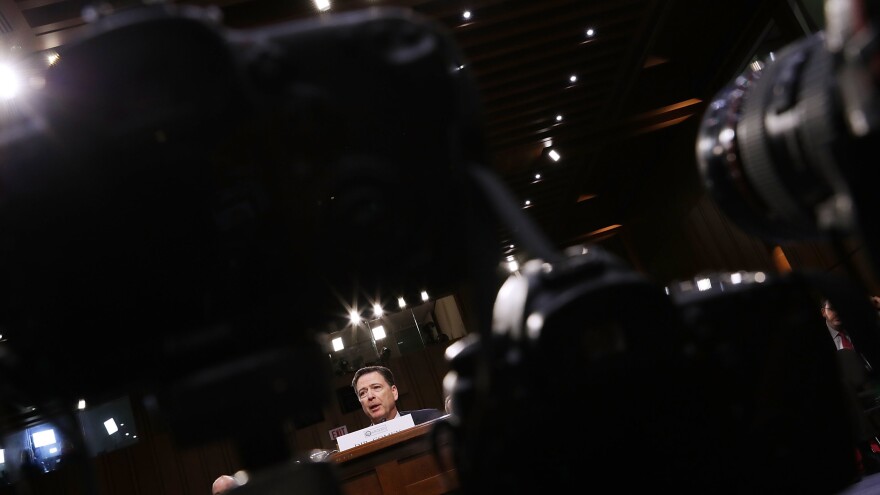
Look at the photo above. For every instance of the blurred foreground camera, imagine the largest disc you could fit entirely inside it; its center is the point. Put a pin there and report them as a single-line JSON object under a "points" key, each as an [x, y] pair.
{"points": [[176, 193], [728, 385], [788, 148], [727, 389]]}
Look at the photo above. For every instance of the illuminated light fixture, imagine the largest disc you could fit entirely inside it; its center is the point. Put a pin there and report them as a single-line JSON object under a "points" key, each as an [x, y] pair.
{"points": [[51, 58], [111, 427], [322, 5], [53, 450], [2, 456], [554, 155], [736, 278], [704, 284], [760, 277], [378, 333], [126, 434], [537, 176], [511, 246], [81, 404], [425, 295], [573, 78], [466, 15], [590, 32], [10, 83], [666, 289], [559, 118], [512, 266], [401, 302], [43, 438], [527, 203], [377, 310], [354, 317], [337, 344]]}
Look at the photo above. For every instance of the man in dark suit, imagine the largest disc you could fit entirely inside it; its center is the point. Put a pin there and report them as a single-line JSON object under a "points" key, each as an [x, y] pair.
{"points": [[375, 388], [861, 379]]}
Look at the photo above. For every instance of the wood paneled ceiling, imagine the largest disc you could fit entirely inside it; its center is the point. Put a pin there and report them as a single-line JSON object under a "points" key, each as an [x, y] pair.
{"points": [[626, 128]]}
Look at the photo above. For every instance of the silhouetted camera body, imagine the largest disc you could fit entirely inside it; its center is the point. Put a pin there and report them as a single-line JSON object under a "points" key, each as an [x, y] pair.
{"points": [[591, 373], [597, 373], [181, 204]]}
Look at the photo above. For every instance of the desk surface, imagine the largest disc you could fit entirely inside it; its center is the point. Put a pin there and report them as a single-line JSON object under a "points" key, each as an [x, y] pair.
{"points": [[415, 432], [402, 463]]}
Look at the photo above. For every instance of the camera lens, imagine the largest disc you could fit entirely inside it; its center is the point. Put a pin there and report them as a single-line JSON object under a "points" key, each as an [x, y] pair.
{"points": [[766, 147]]}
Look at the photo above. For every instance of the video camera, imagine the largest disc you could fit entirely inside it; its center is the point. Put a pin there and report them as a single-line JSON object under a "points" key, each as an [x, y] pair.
{"points": [[725, 384], [183, 205]]}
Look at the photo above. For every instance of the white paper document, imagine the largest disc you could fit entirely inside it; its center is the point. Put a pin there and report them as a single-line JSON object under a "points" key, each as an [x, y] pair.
{"points": [[374, 432]]}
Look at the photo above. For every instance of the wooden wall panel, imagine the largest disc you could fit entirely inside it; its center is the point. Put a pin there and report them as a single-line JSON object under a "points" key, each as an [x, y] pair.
{"points": [[720, 245]]}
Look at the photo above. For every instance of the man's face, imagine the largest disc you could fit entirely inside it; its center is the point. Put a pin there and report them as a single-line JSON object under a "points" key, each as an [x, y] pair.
{"points": [[831, 316], [378, 398]]}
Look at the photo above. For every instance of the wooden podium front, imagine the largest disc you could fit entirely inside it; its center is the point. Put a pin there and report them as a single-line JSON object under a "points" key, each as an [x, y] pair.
{"points": [[399, 464]]}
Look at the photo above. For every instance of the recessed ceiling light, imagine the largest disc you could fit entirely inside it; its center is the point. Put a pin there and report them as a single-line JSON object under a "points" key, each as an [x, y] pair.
{"points": [[590, 32], [573, 78], [554, 155], [322, 5], [466, 14], [559, 118]]}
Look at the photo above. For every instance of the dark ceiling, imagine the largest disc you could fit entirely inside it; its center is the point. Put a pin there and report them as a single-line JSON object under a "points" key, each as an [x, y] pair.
{"points": [[628, 124]]}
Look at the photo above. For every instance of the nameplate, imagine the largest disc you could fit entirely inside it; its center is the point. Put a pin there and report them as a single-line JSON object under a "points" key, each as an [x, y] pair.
{"points": [[374, 432]]}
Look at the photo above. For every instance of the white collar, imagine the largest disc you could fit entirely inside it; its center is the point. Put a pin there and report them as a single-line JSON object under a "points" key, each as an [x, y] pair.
{"points": [[396, 415]]}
